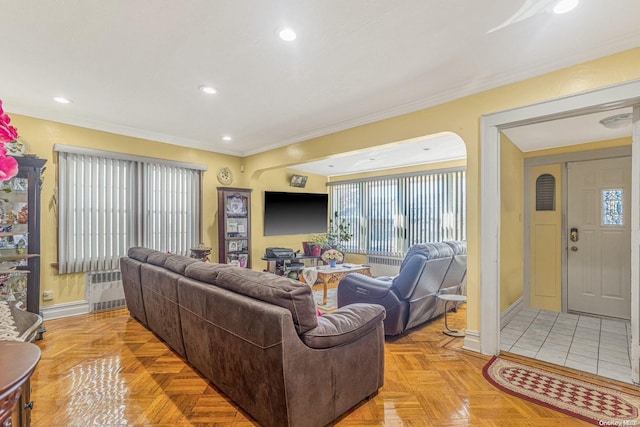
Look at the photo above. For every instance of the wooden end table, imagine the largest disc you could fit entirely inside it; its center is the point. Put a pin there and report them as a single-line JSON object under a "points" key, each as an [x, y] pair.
{"points": [[328, 275]]}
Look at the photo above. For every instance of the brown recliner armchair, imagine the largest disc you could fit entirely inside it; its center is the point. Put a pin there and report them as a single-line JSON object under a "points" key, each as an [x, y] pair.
{"points": [[410, 298]]}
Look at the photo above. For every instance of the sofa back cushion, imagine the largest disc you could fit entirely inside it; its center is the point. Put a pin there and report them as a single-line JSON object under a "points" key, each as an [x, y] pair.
{"points": [[139, 253], [158, 258], [206, 272], [287, 293], [422, 270], [179, 263]]}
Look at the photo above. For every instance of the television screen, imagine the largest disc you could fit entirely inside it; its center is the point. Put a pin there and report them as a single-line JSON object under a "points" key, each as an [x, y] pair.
{"points": [[295, 213]]}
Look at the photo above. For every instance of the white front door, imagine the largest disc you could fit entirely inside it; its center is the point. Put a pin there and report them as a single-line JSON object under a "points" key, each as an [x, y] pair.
{"points": [[599, 237]]}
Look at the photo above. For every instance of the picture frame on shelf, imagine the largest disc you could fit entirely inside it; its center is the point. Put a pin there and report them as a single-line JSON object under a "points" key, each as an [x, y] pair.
{"points": [[242, 260], [236, 206], [232, 227], [233, 246]]}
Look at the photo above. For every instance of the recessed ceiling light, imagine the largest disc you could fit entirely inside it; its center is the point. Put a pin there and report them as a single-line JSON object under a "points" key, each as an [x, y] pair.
{"points": [[330, 166], [208, 90], [287, 34], [564, 6], [226, 138], [426, 149], [617, 121], [61, 100], [372, 159]]}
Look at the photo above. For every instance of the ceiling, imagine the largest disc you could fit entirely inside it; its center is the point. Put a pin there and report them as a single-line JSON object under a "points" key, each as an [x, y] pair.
{"points": [[134, 68]]}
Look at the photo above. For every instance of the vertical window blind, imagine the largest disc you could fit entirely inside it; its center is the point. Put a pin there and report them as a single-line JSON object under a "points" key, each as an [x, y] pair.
{"points": [[108, 202], [389, 214]]}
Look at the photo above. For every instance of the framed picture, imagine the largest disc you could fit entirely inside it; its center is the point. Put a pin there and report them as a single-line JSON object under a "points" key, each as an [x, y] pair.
{"points": [[236, 206], [233, 246], [241, 228], [242, 260], [298, 181], [232, 227]]}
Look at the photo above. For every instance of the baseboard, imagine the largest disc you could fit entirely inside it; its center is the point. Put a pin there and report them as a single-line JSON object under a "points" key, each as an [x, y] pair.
{"points": [[511, 312], [471, 340], [67, 309]]}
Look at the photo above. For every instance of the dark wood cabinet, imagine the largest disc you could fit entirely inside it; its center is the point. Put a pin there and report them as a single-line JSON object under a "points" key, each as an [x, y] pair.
{"points": [[234, 226], [20, 234], [18, 361]]}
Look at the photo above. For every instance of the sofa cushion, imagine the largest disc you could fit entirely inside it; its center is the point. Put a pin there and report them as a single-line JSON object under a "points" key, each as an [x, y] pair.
{"points": [[344, 325], [287, 293], [178, 263], [205, 271], [158, 258], [140, 254], [429, 251]]}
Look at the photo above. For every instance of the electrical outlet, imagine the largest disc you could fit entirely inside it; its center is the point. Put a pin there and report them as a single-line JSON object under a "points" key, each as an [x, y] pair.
{"points": [[47, 295]]}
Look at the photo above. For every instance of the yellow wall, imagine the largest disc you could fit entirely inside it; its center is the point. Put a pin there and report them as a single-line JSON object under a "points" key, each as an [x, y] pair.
{"points": [[511, 223], [277, 180], [461, 116], [41, 135]]}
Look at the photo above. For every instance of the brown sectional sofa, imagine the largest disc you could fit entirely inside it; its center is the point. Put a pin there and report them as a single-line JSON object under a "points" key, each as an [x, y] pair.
{"points": [[257, 336]]}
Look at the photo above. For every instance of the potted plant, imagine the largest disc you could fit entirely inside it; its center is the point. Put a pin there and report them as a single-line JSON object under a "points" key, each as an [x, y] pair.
{"points": [[339, 232], [317, 243]]}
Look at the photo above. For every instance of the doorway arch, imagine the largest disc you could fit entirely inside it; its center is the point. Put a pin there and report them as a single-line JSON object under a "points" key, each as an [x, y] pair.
{"points": [[617, 96]]}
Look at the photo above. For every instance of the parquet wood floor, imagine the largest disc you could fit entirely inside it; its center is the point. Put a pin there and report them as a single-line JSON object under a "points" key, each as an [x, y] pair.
{"points": [[107, 369]]}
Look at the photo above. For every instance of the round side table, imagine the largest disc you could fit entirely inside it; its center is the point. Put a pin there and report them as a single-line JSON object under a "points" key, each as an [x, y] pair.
{"points": [[446, 298]]}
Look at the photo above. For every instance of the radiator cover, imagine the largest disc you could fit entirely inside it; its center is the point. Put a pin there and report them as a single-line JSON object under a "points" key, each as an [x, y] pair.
{"points": [[383, 265], [104, 290]]}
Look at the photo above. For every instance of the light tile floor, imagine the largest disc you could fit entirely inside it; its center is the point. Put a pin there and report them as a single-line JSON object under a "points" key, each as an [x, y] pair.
{"points": [[590, 344]]}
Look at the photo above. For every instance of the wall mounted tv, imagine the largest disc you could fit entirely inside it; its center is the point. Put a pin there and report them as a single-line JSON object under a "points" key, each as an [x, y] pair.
{"points": [[295, 213]]}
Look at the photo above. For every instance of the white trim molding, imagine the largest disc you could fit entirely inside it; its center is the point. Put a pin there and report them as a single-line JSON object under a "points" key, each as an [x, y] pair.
{"points": [[511, 312], [68, 309], [471, 340]]}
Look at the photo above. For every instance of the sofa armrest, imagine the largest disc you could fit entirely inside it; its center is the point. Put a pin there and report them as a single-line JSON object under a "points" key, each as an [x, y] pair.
{"points": [[344, 325], [369, 287]]}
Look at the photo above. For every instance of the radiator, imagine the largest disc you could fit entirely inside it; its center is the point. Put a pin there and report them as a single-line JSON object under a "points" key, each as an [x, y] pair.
{"points": [[104, 290], [383, 265]]}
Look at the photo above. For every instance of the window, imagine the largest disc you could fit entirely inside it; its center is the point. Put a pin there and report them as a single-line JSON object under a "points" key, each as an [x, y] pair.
{"points": [[389, 214], [612, 211], [546, 193], [109, 202]]}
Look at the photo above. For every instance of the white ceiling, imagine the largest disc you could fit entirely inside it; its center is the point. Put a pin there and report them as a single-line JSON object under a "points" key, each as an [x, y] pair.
{"points": [[134, 67], [570, 131]]}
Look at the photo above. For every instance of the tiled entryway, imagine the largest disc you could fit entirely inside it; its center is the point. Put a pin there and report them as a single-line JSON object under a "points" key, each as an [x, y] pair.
{"points": [[590, 344]]}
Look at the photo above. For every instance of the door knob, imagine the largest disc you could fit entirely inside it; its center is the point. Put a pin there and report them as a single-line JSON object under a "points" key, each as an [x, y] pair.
{"points": [[573, 235], [574, 248]]}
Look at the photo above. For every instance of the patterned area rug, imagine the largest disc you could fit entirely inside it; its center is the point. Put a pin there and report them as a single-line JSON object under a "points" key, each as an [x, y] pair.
{"points": [[332, 300], [589, 402]]}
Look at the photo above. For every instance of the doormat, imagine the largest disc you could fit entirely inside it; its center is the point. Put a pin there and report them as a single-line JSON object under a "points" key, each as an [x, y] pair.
{"points": [[595, 404]]}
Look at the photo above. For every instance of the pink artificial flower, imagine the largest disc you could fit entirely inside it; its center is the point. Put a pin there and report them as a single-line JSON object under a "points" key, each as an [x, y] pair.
{"points": [[8, 167], [8, 133]]}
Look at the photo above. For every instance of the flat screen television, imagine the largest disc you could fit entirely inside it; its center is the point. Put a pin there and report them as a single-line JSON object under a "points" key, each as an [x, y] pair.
{"points": [[295, 213]]}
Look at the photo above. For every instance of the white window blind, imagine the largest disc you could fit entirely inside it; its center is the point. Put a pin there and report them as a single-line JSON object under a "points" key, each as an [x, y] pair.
{"points": [[389, 214], [108, 203]]}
